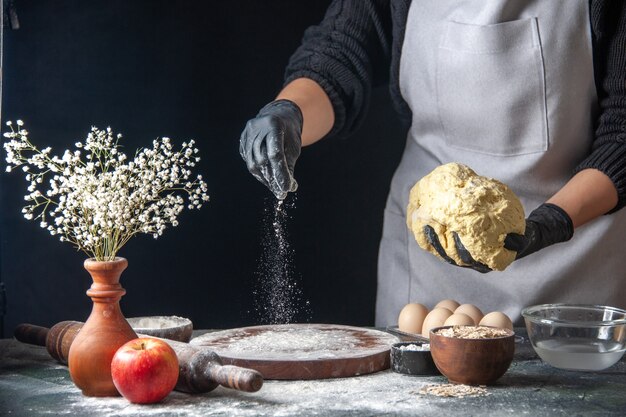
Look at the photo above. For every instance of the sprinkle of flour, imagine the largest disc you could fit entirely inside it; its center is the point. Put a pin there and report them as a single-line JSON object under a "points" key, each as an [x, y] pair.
{"points": [[454, 390], [278, 298], [301, 341], [297, 340], [380, 394]]}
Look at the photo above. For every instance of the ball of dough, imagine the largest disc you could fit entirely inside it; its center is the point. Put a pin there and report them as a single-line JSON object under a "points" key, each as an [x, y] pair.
{"points": [[481, 210]]}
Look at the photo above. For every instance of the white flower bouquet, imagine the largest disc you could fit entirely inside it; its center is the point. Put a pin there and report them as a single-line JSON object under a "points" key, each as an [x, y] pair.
{"points": [[96, 199]]}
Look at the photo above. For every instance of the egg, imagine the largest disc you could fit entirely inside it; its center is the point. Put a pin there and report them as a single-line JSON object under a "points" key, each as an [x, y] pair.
{"points": [[471, 310], [412, 317], [435, 318], [497, 319], [459, 319], [449, 304]]}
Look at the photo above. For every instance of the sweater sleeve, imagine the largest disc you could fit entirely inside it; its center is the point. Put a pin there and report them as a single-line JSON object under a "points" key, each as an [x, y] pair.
{"points": [[609, 148], [346, 54]]}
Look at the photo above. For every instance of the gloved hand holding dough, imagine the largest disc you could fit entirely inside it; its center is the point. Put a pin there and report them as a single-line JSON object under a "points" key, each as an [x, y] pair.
{"points": [[481, 210]]}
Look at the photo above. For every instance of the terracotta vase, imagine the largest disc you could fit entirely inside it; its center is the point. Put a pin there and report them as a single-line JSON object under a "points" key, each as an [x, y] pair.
{"points": [[103, 333]]}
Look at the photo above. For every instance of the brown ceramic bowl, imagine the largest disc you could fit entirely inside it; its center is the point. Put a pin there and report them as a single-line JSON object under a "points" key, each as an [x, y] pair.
{"points": [[472, 361]]}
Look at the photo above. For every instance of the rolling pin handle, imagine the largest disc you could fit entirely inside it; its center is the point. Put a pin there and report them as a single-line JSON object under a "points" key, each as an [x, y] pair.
{"points": [[201, 370], [57, 340], [31, 334], [242, 379]]}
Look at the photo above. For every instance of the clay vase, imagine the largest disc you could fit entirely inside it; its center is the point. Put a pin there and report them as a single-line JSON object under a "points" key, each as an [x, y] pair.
{"points": [[103, 333]]}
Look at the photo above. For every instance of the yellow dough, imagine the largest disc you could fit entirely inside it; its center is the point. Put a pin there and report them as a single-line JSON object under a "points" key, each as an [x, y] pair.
{"points": [[481, 210]]}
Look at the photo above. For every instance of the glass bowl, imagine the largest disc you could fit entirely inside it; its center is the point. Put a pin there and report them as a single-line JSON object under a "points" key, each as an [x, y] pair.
{"points": [[576, 336]]}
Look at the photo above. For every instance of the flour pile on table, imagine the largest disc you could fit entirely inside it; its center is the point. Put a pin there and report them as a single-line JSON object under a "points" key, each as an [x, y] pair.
{"points": [[296, 340]]}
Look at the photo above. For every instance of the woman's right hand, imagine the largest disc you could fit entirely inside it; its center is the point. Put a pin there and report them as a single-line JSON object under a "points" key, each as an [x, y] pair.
{"points": [[270, 144]]}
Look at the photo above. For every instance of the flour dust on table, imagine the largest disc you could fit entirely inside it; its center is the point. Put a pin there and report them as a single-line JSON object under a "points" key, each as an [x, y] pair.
{"points": [[278, 297]]}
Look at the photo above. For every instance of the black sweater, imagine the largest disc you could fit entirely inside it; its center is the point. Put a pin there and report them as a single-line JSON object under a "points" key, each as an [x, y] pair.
{"points": [[357, 46]]}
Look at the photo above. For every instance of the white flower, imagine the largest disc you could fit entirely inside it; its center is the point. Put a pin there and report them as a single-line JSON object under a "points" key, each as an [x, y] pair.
{"points": [[99, 201]]}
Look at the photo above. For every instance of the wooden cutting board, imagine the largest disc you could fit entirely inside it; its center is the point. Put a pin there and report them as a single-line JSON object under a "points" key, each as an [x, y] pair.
{"points": [[302, 351]]}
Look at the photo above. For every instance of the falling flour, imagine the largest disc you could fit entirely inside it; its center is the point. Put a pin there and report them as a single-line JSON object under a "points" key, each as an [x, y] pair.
{"points": [[278, 299]]}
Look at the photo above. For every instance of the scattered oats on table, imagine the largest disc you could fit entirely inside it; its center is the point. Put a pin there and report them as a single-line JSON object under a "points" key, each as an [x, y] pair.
{"points": [[454, 390]]}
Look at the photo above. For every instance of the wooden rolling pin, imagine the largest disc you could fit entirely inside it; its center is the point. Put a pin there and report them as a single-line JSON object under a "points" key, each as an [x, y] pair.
{"points": [[201, 369]]}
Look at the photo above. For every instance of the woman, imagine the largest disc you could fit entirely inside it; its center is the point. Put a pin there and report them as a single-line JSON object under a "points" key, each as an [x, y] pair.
{"points": [[532, 93]]}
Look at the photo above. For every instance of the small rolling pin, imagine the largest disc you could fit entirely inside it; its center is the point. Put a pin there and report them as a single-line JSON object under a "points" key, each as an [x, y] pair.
{"points": [[201, 369]]}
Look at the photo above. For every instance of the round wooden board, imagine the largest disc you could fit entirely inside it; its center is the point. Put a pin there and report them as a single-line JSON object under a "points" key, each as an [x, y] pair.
{"points": [[302, 351]]}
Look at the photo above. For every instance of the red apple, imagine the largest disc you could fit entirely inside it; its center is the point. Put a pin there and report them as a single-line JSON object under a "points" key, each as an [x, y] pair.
{"points": [[145, 370]]}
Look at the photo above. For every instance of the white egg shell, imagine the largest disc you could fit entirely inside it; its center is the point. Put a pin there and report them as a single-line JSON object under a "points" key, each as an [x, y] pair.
{"points": [[449, 304], [497, 319], [435, 318], [412, 317], [471, 310], [459, 319]]}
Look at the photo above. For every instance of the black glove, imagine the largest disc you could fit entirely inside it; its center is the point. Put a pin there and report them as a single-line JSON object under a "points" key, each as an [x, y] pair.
{"points": [[463, 253], [270, 145], [546, 225]]}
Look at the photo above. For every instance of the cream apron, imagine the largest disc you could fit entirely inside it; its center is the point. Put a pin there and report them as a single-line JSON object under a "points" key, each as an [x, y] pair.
{"points": [[507, 88]]}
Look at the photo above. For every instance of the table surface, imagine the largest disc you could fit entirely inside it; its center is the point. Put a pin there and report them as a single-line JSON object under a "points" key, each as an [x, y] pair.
{"points": [[33, 384]]}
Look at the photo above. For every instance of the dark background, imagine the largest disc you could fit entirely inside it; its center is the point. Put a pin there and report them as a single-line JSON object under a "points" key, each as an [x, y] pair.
{"points": [[189, 69]]}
